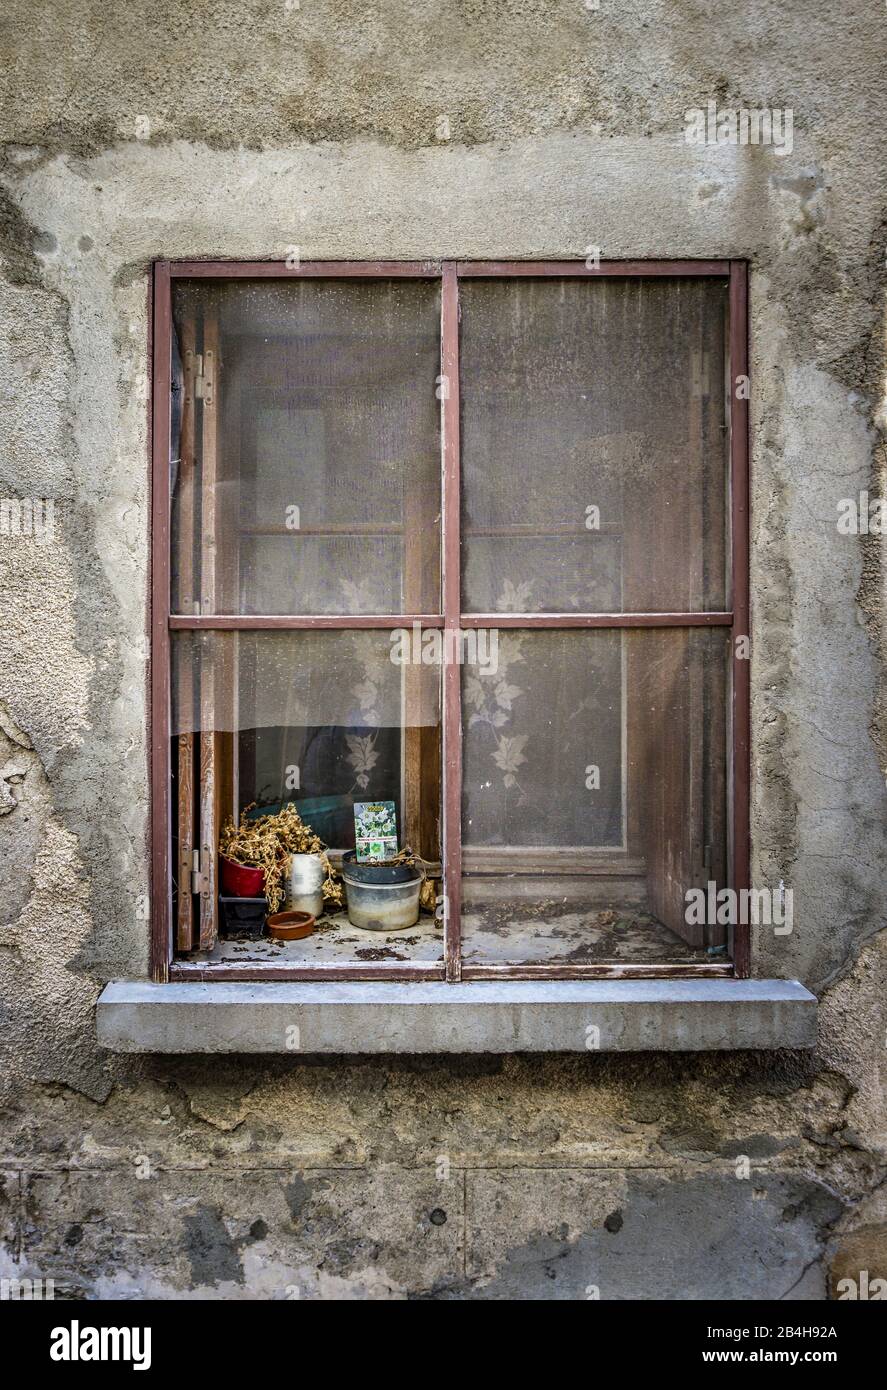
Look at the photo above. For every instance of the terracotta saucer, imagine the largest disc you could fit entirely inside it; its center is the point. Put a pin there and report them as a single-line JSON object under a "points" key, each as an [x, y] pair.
{"points": [[290, 926]]}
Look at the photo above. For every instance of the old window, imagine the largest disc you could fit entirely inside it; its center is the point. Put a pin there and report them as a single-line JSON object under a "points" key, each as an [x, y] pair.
{"points": [[470, 539]]}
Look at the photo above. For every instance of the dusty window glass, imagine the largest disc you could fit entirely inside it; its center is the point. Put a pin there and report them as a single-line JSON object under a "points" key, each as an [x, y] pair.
{"points": [[594, 795], [308, 477], [594, 445], [318, 720], [310, 438]]}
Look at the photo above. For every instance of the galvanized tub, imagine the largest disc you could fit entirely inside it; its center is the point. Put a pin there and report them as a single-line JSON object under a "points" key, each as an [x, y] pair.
{"points": [[382, 906]]}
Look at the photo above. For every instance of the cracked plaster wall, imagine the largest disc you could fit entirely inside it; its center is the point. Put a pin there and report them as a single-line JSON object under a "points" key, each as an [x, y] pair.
{"points": [[320, 126]]}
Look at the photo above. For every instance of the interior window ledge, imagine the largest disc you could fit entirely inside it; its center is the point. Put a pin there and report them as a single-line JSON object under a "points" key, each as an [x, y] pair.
{"points": [[482, 1016]]}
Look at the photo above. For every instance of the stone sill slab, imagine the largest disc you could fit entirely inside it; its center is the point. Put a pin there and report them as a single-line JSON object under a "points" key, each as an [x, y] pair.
{"points": [[482, 1016]]}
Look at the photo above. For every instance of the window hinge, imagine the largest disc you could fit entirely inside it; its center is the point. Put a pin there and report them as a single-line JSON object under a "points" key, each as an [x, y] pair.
{"points": [[204, 377], [199, 881]]}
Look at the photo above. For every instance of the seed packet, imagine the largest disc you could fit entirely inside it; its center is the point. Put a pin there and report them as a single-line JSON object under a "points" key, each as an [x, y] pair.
{"points": [[375, 830]]}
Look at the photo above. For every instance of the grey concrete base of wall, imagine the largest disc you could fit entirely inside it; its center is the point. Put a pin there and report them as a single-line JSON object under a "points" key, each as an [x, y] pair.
{"points": [[483, 1016]]}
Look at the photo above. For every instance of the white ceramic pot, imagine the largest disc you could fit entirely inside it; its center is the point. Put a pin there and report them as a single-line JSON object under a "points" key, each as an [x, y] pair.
{"points": [[304, 884]]}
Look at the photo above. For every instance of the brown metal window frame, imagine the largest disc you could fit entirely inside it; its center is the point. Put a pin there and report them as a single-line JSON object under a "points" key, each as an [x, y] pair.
{"points": [[163, 965]]}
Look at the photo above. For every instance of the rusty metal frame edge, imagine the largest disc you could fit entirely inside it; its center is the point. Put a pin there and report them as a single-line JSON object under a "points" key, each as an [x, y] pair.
{"points": [[278, 269], [449, 272], [740, 801], [233, 971], [296, 622], [452, 604], [430, 268], [161, 940], [604, 620], [632, 269], [616, 970], [234, 622], [190, 971]]}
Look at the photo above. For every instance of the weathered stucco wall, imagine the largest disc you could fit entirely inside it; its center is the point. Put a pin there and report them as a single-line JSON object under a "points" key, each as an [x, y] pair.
{"points": [[240, 129]]}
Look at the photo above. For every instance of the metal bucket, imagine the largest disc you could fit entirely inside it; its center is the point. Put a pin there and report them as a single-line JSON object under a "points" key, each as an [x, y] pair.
{"points": [[304, 884], [382, 906], [370, 871]]}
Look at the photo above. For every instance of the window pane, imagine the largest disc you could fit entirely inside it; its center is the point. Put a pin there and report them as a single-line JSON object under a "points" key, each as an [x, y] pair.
{"points": [[321, 720], [594, 795], [594, 445], [309, 471]]}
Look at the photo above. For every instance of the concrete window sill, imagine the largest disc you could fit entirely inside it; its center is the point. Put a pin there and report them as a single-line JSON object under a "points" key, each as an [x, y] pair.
{"points": [[481, 1016]]}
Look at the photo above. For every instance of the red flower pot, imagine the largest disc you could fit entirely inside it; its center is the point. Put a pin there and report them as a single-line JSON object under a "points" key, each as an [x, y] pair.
{"points": [[240, 882]]}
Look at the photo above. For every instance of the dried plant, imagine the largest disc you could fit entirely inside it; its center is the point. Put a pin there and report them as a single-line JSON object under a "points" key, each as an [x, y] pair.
{"points": [[266, 843], [428, 891]]}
